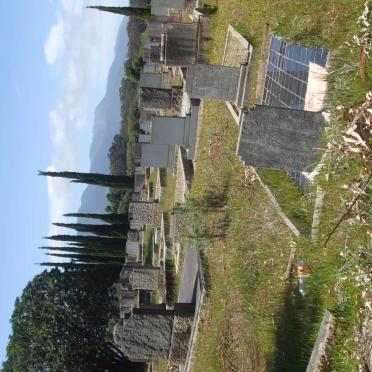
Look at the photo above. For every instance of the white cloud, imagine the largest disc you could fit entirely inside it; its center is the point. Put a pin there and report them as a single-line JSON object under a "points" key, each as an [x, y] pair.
{"points": [[54, 45], [82, 41]]}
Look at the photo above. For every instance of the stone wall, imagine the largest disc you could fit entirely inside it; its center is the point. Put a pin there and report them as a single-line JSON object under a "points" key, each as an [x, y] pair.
{"points": [[145, 337], [180, 338], [144, 213], [141, 277]]}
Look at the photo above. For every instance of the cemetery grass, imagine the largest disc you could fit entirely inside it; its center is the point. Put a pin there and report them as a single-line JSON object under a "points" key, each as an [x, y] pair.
{"points": [[251, 317], [148, 250], [246, 247]]}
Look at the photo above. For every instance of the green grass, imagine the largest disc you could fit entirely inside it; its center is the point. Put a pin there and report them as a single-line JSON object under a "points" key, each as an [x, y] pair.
{"points": [[167, 198], [252, 317], [246, 246], [148, 253], [172, 281], [297, 204], [152, 182]]}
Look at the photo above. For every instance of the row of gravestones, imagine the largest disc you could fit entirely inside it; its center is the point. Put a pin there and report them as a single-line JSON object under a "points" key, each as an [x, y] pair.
{"points": [[270, 137]]}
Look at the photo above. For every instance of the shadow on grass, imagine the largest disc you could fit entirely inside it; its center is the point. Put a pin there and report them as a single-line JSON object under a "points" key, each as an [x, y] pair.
{"points": [[297, 329]]}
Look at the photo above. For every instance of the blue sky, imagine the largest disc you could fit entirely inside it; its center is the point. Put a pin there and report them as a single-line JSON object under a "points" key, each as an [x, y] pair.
{"points": [[54, 63]]}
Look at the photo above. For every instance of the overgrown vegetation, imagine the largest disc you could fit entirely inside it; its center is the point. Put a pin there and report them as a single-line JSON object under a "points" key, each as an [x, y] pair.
{"points": [[147, 247], [254, 318], [171, 280]]}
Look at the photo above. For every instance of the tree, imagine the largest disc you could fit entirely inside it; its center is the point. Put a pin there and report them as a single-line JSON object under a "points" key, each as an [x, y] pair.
{"points": [[113, 230], [93, 251], [89, 259], [120, 182], [60, 323], [142, 13], [91, 241], [106, 217]]}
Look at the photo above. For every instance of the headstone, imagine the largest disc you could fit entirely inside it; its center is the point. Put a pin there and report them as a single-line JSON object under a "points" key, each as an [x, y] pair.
{"points": [[156, 80], [163, 7], [139, 182], [155, 99], [214, 82], [146, 335], [144, 213], [141, 277], [180, 44], [127, 300], [175, 130], [280, 138], [132, 247], [160, 156]]}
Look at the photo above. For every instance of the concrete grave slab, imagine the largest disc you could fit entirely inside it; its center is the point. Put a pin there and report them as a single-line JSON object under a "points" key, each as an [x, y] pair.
{"points": [[280, 138], [215, 82], [159, 156]]}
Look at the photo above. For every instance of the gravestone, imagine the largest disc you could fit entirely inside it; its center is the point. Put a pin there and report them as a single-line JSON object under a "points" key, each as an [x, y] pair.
{"points": [[132, 247], [145, 335], [180, 44], [144, 213], [214, 82], [159, 156], [172, 44], [175, 130], [135, 277], [159, 99], [156, 80], [279, 138], [155, 99], [127, 300], [164, 7]]}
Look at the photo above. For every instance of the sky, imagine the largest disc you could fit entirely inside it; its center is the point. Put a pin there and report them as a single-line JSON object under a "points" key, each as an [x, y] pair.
{"points": [[54, 63]]}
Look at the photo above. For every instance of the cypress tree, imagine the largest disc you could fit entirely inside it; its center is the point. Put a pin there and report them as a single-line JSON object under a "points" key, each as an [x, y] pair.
{"points": [[81, 258], [69, 265], [98, 179], [90, 240], [142, 13], [90, 251], [114, 230], [106, 217]]}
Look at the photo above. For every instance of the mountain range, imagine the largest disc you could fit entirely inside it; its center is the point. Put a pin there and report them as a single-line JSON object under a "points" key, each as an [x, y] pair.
{"points": [[106, 124]]}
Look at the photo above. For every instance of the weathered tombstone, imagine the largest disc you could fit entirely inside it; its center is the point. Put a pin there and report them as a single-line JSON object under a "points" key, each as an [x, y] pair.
{"points": [[156, 80], [158, 99], [214, 82], [135, 276], [145, 335], [155, 99], [175, 130], [164, 7], [179, 45], [172, 44], [160, 156], [279, 138], [144, 213], [132, 247], [127, 300]]}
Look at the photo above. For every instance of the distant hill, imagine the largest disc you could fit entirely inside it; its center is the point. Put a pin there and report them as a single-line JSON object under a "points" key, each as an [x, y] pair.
{"points": [[107, 120]]}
